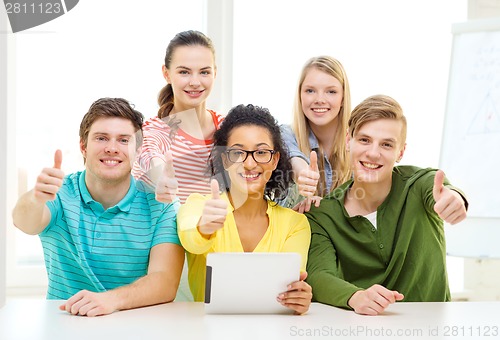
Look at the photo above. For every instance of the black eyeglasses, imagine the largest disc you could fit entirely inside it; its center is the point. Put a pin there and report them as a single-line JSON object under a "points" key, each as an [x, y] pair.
{"points": [[260, 156]]}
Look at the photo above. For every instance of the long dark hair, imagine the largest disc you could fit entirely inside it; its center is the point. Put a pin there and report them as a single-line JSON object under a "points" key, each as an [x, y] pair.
{"points": [[241, 115], [186, 38]]}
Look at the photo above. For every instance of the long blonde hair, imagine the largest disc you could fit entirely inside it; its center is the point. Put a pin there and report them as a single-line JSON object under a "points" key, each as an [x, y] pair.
{"points": [[301, 128]]}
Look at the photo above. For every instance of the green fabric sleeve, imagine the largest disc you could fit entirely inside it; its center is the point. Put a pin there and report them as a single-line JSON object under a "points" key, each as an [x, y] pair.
{"points": [[323, 274]]}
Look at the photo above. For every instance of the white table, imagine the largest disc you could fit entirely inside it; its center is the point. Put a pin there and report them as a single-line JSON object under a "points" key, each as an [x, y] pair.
{"points": [[38, 319]]}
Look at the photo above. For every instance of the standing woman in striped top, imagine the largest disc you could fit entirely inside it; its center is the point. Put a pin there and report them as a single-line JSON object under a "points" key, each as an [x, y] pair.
{"points": [[179, 140]]}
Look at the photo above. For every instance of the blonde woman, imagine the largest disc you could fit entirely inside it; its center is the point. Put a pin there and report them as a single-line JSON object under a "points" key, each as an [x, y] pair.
{"points": [[316, 137]]}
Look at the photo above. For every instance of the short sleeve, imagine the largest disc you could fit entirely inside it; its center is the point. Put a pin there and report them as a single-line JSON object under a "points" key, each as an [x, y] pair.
{"points": [[291, 142]]}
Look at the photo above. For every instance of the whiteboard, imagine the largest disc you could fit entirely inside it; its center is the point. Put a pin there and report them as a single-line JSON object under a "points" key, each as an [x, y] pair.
{"points": [[470, 153]]}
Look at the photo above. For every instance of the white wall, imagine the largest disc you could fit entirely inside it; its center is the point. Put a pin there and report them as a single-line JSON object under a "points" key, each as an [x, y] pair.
{"points": [[3, 151], [398, 48]]}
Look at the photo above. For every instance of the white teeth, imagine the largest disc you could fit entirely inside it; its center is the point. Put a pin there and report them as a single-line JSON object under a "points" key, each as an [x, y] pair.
{"points": [[110, 162], [320, 110], [370, 165], [249, 176]]}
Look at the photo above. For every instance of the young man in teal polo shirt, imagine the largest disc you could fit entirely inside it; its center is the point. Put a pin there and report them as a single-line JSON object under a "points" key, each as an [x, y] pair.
{"points": [[379, 238], [108, 244]]}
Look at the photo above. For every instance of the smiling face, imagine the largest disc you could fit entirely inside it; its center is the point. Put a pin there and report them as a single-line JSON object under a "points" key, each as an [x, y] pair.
{"points": [[110, 150], [250, 177], [374, 149], [321, 96], [191, 73]]}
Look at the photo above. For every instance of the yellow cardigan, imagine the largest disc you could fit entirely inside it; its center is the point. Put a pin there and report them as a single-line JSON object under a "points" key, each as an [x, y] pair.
{"points": [[288, 231]]}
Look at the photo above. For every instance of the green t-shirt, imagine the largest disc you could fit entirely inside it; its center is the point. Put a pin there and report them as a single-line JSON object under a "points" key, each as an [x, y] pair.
{"points": [[406, 252]]}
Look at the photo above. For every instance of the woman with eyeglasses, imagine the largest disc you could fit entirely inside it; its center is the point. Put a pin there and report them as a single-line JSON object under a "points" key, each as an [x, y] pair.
{"points": [[250, 165]]}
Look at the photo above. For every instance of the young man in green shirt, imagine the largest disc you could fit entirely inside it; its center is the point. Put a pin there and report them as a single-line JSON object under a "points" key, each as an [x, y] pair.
{"points": [[379, 237]]}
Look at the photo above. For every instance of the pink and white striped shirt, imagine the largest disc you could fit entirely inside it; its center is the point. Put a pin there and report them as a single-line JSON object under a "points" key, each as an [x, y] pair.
{"points": [[190, 156]]}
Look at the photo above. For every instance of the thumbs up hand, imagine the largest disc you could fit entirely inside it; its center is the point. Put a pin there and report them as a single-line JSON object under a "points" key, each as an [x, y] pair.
{"points": [[49, 181], [308, 178], [167, 186], [214, 213], [449, 204]]}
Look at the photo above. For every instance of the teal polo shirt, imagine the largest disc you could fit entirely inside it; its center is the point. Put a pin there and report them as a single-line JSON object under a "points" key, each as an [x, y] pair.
{"points": [[88, 247]]}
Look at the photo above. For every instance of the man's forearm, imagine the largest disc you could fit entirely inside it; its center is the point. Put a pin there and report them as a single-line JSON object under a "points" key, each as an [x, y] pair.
{"points": [[28, 214], [152, 289]]}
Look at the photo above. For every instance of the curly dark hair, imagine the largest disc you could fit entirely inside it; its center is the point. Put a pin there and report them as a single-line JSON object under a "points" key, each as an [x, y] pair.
{"points": [[241, 115]]}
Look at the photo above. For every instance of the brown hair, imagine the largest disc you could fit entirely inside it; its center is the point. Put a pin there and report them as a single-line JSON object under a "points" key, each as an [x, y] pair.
{"points": [[111, 107], [374, 108], [186, 38]]}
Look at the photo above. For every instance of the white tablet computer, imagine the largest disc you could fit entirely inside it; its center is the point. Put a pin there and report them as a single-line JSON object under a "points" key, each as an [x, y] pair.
{"points": [[248, 283]]}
